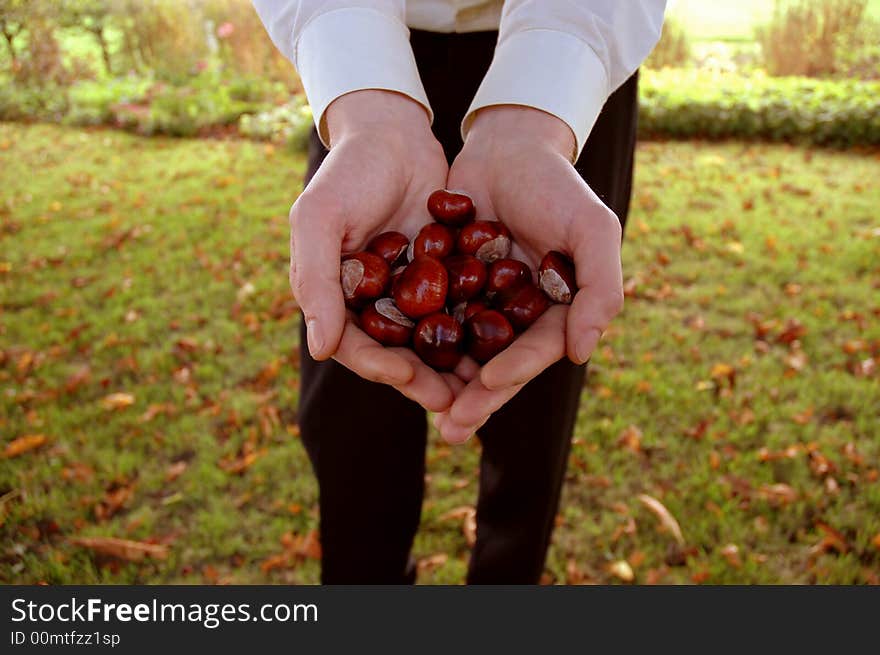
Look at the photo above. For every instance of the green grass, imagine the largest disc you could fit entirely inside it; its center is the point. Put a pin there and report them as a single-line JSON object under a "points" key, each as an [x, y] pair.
{"points": [[157, 268]]}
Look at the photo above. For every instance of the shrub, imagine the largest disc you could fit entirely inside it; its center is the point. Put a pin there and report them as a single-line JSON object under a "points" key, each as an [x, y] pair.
{"points": [[29, 103], [289, 124], [95, 103], [673, 49], [688, 104], [809, 37]]}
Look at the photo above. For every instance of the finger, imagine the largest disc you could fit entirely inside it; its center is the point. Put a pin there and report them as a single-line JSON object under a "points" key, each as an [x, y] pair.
{"points": [[451, 432], [473, 406], [467, 369], [461, 180], [455, 383], [600, 280], [427, 387], [533, 351], [314, 276], [372, 361]]}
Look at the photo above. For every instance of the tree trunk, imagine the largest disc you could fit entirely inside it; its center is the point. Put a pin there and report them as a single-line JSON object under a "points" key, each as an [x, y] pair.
{"points": [[105, 52], [9, 37], [105, 49]]}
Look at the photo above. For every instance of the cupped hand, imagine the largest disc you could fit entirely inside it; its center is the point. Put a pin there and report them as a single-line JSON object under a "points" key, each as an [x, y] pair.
{"points": [[382, 165], [516, 165]]}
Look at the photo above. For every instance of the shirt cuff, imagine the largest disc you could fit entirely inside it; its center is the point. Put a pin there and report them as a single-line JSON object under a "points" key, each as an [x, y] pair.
{"points": [[550, 70], [349, 50]]}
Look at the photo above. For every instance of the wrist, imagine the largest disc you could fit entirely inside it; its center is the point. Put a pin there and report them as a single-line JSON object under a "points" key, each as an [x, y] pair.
{"points": [[521, 126], [375, 111]]}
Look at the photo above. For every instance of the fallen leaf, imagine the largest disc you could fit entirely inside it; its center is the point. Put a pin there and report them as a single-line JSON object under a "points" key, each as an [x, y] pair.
{"points": [[175, 470], [131, 551], [116, 401], [78, 378], [779, 493], [631, 439], [23, 444], [730, 552], [431, 562], [832, 539], [621, 569], [666, 518], [310, 546], [468, 517]]}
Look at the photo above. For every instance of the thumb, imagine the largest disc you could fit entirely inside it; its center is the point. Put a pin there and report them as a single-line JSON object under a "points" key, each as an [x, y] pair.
{"points": [[315, 248]]}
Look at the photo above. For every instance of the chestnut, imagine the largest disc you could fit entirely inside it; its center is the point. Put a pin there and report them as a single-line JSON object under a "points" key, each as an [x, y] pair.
{"points": [[488, 333], [390, 246], [485, 240], [556, 277], [433, 240], [421, 288], [505, 274], [451, 207], [364, 276], [464, 310], [439, 340], [467, 275], [386, 324], [522, 306]]}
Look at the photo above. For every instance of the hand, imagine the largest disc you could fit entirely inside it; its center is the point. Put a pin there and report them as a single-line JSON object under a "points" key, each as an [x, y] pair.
{"points": [[382, 165], [516, 166]]}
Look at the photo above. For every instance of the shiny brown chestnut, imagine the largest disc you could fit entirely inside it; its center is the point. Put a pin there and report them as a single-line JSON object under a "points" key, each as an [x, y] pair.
{"points": [[505, 274], [383, 321], [421, 288], [364, 276], [487, 334], [433, 240], [485, 240], [390, 246], [439, 340], [522, 306], [451, 207], [557, 278], [467, 275]]}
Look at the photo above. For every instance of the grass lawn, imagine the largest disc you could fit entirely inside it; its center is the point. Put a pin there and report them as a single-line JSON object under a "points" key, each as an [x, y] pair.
{"points": [[148, 373]]}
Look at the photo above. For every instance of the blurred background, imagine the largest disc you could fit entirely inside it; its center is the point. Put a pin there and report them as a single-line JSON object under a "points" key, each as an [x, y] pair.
{"points": [[730, 427]]}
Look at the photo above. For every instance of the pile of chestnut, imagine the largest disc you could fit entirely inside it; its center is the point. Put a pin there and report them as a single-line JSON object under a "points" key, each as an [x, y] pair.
{"points": [[453, 289]]}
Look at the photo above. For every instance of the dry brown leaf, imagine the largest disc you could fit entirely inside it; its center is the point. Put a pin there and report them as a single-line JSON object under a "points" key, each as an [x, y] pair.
{"points": [[779, 493], [23, 444], [468, 517], [78, 378], [310, 546], [116, 401], [131, 551], [432, 562], [175, 470], [631, 439], [621, 569], [730, 552], [667, 520]]}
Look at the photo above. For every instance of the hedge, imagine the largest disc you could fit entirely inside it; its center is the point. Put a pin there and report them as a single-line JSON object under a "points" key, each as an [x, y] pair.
{"points": [[674, 103], [684, 104]]}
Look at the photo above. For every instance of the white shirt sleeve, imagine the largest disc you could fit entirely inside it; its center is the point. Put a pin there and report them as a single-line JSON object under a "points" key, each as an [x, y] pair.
{"points": [[566, 57], [342, 46]]}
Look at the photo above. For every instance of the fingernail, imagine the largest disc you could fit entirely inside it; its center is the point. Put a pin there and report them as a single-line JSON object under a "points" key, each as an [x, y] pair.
{"points": [[316, 339], [587, 345]]}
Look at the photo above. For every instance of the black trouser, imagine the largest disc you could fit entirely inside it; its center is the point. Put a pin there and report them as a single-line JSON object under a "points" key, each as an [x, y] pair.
{"points": [[369, 453]]}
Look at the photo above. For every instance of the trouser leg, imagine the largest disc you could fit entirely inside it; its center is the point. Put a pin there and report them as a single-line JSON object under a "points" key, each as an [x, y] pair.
{"points": [[526, 444], [366, 443]]}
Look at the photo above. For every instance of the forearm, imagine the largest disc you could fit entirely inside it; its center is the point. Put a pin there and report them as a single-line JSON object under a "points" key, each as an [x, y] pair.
{"points": [[567, 58], [343, 46]]}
